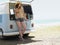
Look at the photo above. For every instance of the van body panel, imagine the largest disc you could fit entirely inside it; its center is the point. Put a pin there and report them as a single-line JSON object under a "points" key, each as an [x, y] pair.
{"points": [[6, 22]]}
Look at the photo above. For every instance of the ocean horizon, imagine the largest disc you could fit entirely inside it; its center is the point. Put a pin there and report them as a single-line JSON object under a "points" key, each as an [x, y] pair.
{"points": [[45, 21]]}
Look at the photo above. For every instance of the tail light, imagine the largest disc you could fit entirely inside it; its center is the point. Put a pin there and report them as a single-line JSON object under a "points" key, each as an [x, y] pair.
{"points": [[32, 25], [11, 26]]}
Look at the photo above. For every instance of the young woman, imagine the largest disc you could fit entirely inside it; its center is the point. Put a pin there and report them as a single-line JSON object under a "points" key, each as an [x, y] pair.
{"points": [[20, 17]]}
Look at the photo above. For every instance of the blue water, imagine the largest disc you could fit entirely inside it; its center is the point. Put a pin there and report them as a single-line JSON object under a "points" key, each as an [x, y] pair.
{"points": [[46, 21]]}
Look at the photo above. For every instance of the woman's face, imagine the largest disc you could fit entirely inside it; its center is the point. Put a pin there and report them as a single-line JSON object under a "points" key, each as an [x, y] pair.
{"points": [[19, 6]]}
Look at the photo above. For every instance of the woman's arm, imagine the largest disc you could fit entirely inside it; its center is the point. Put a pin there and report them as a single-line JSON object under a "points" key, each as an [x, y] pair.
{"points": [[16, 10]]}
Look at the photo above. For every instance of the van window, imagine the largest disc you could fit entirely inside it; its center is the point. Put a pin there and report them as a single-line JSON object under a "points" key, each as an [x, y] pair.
{"points": [[11, 11], [28, 11]]}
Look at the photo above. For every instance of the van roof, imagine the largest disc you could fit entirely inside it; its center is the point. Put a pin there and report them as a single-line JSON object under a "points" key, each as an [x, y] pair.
{"points": [[14, 2]]}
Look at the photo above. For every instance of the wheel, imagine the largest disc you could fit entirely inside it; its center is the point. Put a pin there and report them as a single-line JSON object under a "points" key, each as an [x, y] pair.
{"points": [[1, 36]]}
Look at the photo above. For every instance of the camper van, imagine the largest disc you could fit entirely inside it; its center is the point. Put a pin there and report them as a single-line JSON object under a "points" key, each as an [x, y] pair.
{"points": [[8, 26]]}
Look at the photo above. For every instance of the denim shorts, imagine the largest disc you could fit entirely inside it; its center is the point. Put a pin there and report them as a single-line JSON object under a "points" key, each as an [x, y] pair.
{"points": [[20, 19]]}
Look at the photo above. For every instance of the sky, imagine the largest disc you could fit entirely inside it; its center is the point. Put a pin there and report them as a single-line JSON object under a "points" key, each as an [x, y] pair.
{"points": [[47, 10], [50, 9]]}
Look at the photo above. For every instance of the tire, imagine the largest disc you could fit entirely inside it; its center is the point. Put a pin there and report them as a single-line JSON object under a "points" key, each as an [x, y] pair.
{"points": [[1, 37]]}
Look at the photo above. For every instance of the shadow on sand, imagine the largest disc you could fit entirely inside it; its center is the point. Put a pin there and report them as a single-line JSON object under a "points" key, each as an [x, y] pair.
{"points": [[15, 40]]}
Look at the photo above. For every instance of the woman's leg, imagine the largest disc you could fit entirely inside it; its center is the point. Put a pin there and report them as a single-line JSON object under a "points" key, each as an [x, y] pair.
{"points": [[24, 27], [19, 27]]}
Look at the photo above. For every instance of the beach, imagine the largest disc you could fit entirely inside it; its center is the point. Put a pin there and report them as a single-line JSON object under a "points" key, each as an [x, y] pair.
{"points": [[48, 33]]}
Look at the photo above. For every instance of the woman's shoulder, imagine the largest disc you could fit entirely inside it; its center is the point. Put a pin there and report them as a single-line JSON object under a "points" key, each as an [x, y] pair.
{"points": [[15, 9]]}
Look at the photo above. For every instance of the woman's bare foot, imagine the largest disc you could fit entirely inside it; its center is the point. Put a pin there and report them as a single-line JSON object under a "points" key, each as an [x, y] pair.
{"points": [[21, 38]]}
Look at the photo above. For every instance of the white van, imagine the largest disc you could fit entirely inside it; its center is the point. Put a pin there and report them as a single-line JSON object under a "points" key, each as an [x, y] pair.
{"points": [[8, 25]]}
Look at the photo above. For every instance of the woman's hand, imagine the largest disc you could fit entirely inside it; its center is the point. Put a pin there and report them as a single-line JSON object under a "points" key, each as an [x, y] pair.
{"points": [[26, 19], [25, 16]]}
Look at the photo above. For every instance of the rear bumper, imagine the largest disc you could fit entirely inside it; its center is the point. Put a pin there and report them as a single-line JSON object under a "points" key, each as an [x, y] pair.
{"points": [[16, 33]]}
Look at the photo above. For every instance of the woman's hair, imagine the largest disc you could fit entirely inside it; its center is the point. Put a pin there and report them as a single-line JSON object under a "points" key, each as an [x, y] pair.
{"points": [[17, 4]]}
